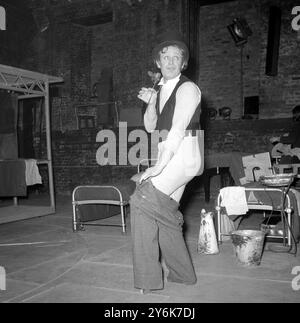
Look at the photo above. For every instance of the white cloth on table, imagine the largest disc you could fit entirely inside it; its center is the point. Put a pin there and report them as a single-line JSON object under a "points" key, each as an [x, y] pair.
{"points": [[234, 200], [32, 174]]}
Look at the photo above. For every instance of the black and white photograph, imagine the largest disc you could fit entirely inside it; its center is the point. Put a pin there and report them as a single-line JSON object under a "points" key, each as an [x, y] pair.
{"points": [[150, 154]]}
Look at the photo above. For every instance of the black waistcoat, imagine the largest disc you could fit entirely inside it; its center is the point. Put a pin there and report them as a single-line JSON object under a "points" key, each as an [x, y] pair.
{"points": [[164, 119]]}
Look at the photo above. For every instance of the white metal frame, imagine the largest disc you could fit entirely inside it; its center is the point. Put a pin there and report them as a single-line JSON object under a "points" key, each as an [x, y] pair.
{"points": [[121, 202], [29, 84], [253, 206]]}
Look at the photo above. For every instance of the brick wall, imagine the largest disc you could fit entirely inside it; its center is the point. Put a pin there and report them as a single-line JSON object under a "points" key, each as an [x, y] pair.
{"points": [[79, 54], [220, 59], [250, 136], [75, 162], [74, 153]]}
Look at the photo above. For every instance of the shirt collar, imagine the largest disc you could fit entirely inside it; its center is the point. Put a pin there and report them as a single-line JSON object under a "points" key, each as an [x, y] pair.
{"points": [[171, 82]]}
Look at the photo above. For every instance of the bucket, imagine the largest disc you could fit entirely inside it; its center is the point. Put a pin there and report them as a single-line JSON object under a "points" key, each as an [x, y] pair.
{"points": [[248, 246]]}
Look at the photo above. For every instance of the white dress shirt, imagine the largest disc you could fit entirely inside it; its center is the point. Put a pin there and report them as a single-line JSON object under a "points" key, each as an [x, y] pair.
{"points": [[186, 161]]}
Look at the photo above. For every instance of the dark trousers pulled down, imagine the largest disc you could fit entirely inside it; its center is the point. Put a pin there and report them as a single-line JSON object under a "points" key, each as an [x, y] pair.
{"points": [[156, 228]]}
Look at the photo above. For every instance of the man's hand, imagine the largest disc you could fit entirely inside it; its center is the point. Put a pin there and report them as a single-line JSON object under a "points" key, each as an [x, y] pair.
{"points": [[147, 95], [150, 172], [165, 155], [136, 177]]}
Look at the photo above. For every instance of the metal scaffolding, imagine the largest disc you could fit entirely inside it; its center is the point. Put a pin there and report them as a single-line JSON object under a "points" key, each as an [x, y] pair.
{"points": [[28, 84]]}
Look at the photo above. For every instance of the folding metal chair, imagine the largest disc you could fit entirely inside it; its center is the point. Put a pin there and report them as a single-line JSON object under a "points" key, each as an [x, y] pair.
{"points": [[258, 205], [97, 202]]}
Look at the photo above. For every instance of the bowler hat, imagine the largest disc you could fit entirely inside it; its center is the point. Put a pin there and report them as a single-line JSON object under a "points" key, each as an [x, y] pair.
{"points": [[169, 38]]}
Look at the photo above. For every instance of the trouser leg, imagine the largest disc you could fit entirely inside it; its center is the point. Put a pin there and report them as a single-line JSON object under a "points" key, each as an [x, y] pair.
{"points": [[147, 270], [157, 223], [175, 254]]}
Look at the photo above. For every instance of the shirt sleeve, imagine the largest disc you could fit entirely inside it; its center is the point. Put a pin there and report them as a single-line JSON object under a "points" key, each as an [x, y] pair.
{"points": [[150, 118], [188, 97]]}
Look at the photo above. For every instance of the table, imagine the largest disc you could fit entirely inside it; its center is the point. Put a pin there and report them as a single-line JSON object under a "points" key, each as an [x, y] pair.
{"points": [[228, 165], [232, 160]]}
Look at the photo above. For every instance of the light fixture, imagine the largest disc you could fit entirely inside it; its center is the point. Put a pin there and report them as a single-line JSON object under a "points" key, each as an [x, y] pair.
{"points": [[240, 31]]}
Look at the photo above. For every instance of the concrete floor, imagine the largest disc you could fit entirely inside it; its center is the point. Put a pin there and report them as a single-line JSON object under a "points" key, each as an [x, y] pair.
{"points": [[45, 261]]}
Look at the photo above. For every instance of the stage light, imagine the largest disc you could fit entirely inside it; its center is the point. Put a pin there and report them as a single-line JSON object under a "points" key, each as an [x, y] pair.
{"points": [[240, 31]]}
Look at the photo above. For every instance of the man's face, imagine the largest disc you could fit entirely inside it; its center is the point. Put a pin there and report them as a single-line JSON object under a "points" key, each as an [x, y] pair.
{"points": [[170, 62]]}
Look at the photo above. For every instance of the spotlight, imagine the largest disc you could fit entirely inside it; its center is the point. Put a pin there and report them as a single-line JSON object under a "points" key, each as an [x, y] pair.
{"points": [[240, 31]]}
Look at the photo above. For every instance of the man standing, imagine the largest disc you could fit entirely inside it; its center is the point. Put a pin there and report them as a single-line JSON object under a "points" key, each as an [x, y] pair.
{"points": [[156, 222]]}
